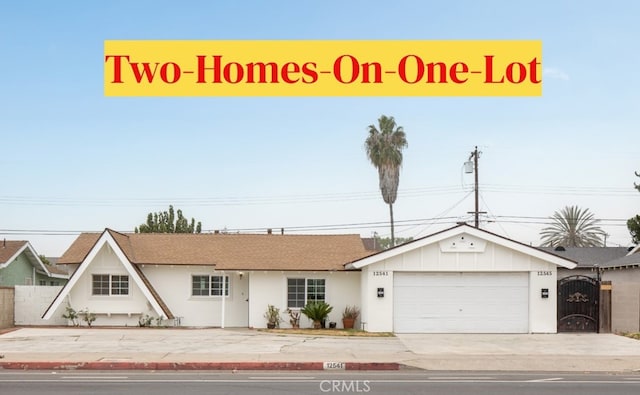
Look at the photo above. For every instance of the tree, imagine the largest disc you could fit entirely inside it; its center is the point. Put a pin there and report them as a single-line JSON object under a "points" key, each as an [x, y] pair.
{"points": [[384, 243], [633, 224], [384, 147], [637, 185], [573, 227], [166, 222]]}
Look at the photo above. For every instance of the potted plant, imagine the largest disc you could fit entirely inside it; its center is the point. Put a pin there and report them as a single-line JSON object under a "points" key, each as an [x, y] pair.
{"points": [[317, 312], [294, 318], [273, 317], [349, 316]]}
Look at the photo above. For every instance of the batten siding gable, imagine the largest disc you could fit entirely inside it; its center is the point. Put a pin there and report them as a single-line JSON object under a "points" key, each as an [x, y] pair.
{"points": [[456, 231], [106, 238]]}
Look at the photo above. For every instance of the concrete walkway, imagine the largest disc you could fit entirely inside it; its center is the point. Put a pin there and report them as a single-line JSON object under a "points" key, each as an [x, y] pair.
{"points": [[124, 348]]}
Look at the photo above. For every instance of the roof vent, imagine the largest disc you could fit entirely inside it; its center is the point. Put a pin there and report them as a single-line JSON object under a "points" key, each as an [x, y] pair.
{"points": [[269, 231], [559, 248]]}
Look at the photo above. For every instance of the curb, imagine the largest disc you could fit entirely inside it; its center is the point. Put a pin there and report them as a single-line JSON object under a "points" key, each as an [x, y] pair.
{"points": [[232, 366]]}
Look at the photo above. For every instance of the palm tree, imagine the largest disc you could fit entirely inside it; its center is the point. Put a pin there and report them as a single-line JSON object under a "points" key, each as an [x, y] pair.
{"points": [[384, 149], [573, 227]]}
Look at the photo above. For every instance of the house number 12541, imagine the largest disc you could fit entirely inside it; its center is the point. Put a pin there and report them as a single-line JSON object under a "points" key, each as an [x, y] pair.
{"points": [[384, 273]]}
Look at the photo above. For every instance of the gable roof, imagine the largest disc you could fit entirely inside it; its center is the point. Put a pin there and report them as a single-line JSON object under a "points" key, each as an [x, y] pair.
{"points": [[588, 257], [457, 230], [11, 249], [109, 237], [229, 251]]}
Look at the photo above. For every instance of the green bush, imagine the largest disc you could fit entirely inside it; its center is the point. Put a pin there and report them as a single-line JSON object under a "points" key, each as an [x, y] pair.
{"points": [[317, 312]]}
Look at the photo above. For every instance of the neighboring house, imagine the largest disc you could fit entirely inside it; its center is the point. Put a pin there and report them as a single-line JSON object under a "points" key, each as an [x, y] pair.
{"points": [[21, 265], [588, 258], [624, 274], [620, 266], [459, 280]]}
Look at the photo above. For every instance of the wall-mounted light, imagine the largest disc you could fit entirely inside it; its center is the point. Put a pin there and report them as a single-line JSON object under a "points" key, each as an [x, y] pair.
{"points": [[240, 274]]}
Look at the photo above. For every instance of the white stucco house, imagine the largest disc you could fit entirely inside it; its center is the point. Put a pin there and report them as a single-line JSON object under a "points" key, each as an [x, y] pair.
{"points": [[460, 280], [179, 277]]}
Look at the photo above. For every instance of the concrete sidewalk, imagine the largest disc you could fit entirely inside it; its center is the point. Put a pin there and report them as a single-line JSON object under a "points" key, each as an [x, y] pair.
{"points": [[228, 349]]}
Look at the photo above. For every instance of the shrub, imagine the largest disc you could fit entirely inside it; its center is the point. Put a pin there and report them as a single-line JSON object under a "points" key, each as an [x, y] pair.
{"points": [[87, 316], [72, 315], [317, 312]]}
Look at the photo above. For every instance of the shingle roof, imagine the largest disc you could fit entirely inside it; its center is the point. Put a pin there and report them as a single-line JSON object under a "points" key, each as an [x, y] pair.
{"points": [[53, 269], [229, 251], [370, 244], [589, 256], [8, 248], [629, 260]]}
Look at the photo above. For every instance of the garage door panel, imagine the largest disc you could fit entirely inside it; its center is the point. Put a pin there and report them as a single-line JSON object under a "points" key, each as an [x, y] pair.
{"points": [[461, 302]]}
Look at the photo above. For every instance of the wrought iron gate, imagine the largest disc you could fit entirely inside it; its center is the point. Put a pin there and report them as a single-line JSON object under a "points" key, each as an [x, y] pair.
{"points": [[578, 304]]}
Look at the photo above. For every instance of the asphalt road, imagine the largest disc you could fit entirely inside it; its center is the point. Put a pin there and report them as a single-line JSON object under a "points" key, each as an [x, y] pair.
{"points": [[267, 383]]}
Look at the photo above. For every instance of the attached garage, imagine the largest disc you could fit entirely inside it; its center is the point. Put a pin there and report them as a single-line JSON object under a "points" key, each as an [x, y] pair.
{"points": [[461, 302], [460, 280]]}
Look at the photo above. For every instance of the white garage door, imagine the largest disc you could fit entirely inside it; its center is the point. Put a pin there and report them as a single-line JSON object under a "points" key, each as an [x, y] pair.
{"points": [[461, 302]]}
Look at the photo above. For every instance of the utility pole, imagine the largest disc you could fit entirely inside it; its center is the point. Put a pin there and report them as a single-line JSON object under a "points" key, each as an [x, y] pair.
{"points": [[475, 155]]}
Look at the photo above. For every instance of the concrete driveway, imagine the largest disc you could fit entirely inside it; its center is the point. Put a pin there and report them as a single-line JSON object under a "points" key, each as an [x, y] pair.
{"points": [[561, 352]]}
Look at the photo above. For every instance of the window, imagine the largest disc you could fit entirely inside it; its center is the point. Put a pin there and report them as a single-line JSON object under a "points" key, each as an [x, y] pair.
{"points": [[295, 292], [109, 284], [119, 285], [209, 285], [200, 286], [301, 291], [100, 284], [315, 290], [216, 285], [43, 282]]}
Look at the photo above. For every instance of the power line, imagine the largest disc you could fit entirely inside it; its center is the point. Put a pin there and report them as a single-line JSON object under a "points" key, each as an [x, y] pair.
{"points": [[24, 200], [344, 226]]}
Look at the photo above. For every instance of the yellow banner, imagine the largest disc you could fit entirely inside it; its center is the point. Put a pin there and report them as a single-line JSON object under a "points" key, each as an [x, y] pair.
{"points": [[323, 68]]}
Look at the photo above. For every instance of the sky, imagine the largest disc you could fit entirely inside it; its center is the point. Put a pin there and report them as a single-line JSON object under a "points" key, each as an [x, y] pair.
{"points": [[73, 160]]}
